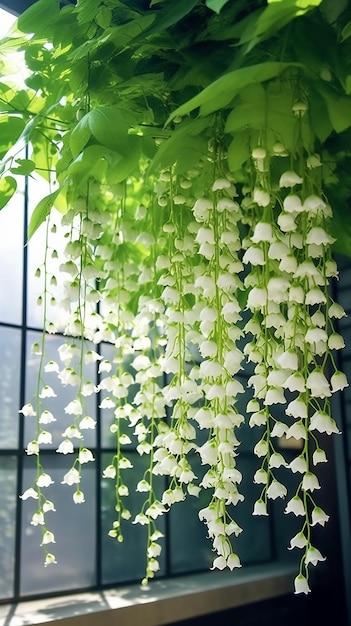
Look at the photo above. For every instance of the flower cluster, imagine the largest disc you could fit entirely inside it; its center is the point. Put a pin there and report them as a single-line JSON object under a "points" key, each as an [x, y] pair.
{"points": [[153, 299], [216, 334], [293, 336]]}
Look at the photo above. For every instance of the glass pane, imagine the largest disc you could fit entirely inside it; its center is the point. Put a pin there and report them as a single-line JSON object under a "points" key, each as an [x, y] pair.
{"points": [[108, 439], [10, 367], [190, 550], [64, 394], [11, 258], [8, 501], [253, 545], [125, 562], [285, 526], [74, 527], [37, 189]]}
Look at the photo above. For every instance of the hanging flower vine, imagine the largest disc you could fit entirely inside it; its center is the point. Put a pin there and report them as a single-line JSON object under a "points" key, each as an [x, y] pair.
{"points": [[199, 236]]}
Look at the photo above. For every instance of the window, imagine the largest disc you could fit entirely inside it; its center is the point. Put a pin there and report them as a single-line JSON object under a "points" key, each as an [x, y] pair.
{"points": [[87, 557]]}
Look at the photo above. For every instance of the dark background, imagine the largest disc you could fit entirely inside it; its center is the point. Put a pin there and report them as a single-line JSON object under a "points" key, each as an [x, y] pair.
{"points": [[18, 6]]}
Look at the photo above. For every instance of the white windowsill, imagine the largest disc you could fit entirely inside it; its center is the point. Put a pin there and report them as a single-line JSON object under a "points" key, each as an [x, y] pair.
{"points": [[164, 601]]}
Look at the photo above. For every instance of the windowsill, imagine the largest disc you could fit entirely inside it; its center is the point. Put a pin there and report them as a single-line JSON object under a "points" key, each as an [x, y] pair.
{"points": [[164, 601]]}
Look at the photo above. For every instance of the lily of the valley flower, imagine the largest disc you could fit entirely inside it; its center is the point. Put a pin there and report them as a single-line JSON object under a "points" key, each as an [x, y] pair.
{"points": [[297, 408], [301, 584], [296, 506], [44, 437], [260, 477], [313, 556], [85, 456], [319, 516], [277, 460], [318, 384], [87, 423], [46, 417], [78, 497], [48, 506], [74, 407], [32, 447], [260, 508], [71, 477], [336, 310], [297, 431], [319, 456], [65, 447], [338, 381], [263, 232], [299, 464], [322, 422], [48, 537], [29, 493], [336, 342], [261, 197], [44, 480], [72, 432], [38, 518], [310, 482], [290, 179], [49, 559], [276, 490], [27, 410], [47, 392], [298, 541]]}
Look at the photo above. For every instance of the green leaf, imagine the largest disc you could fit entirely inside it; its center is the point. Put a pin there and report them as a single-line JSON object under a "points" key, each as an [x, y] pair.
{"points": [[268, 109], [195, 148], [222, 91], [246, 114], [239, 151], [268, 22], [346, 31], [38, 16], [8, 187], [41, 212], [93, 160], [307, 4], [166, 17], [11, 128], [103, 17], [319, 116], [340, 229], [148, 147], [125, 165], [281, 122], [174, 148], [80, 136], [339, 108], [304, 4], [35, 82], [87, 11], [216, 5], [109, 127], [24, 167], [21, 100], [332, 9]]}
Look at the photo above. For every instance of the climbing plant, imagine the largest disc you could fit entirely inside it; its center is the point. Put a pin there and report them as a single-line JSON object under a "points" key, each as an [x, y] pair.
{"points": [[197, 152]]}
